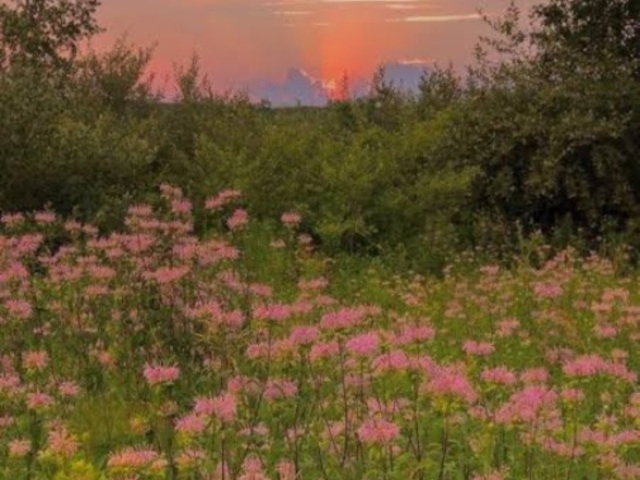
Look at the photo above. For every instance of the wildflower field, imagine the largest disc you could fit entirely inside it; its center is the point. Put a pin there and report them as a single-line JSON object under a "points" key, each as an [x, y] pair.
{"points": [[157, 353]]}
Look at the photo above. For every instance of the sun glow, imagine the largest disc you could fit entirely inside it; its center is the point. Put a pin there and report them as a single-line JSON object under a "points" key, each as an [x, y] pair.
{"points": [[246, 42], [355, 46]]}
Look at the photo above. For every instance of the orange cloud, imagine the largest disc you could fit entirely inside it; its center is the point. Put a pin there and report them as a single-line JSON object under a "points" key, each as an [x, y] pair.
{"points": [[240, 40]]}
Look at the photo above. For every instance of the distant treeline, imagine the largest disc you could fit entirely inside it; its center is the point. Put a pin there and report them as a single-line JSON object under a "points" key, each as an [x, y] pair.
{"points": [[541, 135]]}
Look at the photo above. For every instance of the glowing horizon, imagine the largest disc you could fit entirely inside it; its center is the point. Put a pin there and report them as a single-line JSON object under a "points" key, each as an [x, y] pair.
{"points": [[241, 42]]}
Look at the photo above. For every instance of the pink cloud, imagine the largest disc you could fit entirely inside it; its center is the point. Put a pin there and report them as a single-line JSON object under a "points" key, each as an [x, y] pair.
{"points": [[241, 40]]}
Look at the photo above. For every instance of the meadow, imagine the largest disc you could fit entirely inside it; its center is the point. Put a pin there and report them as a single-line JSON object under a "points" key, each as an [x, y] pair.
{"points": [[246, 354], [439, 284]]}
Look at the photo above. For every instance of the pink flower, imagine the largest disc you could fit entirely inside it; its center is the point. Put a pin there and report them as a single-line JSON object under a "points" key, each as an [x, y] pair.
{"points": [[627, 471], [378, 431], [324, 350], [501, 375], [605, 331], [165, 275], [547, 290], [561, 449], [69, 389], [240, 384], [261, 290], [447, 382], [104, 358], [15, 271], [44, 217], [277, 312], [343, 318], [134, 458], [39, 401], [507, 327], [181, 206], [223, 407], [396, 361], [471, 347], [415, 334], [100, 272], [534, 375], [35, 360], [12, 219], [18, 308], [584, 366], [526, 405], [304, 335], [140, 210], [157, 374], [170, 192], [282, 348], [138, 243], [252, 470], [61, 442], [191, 424], [9, 383], [305, 239], [279, 388], [239, 218], [6, 421], [572, 395], [364, 344], [259, 350], [217, 202], [19, 448], [290, 219], [302, 306], [620, 371], [28, 244]]}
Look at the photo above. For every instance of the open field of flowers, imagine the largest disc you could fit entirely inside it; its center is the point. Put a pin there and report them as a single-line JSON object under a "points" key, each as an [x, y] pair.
{"points": [[155, 353]]}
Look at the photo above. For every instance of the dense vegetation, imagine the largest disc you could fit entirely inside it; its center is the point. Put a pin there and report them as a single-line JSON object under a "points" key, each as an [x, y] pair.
{"points": [[260, 319], [155, 354], [541, 136]]}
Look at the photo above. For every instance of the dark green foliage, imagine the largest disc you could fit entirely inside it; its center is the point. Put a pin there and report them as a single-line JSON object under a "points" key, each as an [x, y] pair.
{"points": [[439, 89], [591, 27], [51, 153], [557, 150], [542, 137], [116, 79], [554, 129], [45, 34]]}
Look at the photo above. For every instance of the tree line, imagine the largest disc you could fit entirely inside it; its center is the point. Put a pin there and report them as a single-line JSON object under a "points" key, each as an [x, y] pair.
{"points": [[539, 137]]}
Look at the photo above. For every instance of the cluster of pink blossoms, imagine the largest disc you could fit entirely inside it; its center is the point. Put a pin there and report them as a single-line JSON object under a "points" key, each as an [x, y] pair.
{"points": [[274, 376], [161, 374], [378, 431]]}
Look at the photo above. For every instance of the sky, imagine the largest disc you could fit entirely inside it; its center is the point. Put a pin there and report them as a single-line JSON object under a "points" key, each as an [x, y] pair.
{"points": [[240, 42]]}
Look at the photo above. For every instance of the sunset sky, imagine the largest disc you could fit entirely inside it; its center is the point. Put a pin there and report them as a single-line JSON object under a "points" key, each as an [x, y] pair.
{"points": [[243, 41]]}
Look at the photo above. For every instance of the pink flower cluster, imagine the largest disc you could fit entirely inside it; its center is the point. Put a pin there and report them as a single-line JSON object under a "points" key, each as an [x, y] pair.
{"points": [[161, 374], [378, 431], [223, 407]]}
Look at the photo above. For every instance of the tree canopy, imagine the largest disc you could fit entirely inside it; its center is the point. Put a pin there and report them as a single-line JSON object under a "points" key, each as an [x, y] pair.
{"points": [[45, 33]]}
